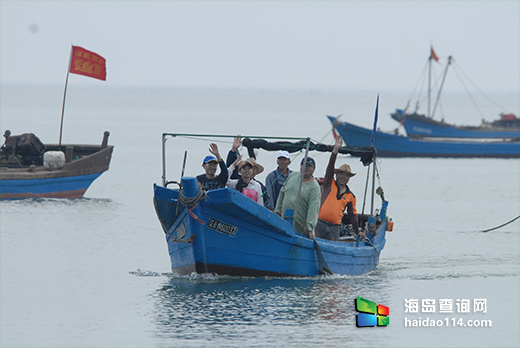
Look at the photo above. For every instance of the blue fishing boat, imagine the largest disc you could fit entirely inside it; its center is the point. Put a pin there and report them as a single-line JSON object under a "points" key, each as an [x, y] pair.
{"points": [[392, 145], [425, 126], [224, 232], [421, 126], [30, 169]]}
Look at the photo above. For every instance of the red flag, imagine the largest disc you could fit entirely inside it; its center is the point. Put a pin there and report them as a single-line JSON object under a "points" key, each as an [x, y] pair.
{"points": [[88, 63], [433, 55]]}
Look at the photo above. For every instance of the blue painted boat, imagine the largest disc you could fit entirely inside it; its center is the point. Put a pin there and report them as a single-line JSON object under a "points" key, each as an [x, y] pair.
{"points": [[420, 126], [425, 126], [224, 232], [392, 145], [23, 174]]}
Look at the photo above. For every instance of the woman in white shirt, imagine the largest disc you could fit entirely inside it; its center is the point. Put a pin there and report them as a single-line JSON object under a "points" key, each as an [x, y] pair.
{"points": [[245, 184]]}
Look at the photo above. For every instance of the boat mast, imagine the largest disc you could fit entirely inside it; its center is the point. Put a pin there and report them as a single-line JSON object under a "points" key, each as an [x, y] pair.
{"points": [[442, 84], [64, 97], [429, 82]]}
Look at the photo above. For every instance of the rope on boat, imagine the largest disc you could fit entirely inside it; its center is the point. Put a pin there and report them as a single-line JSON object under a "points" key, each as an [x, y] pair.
{"points": [[367, 240], [324, 267], [496, 228], [191, 203]]}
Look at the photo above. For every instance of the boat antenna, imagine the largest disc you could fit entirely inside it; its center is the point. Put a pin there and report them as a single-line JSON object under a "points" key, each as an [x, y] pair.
{"points": [[375, 123], [373, 163]]}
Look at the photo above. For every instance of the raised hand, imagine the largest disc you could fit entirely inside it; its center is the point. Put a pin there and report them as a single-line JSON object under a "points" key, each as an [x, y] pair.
{"points": [[337, 144], [237, 142], [237, 161], [213, 148]]}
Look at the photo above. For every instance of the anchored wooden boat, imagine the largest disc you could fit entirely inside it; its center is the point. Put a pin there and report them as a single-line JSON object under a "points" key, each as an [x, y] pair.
{"points": [[391, 145], [224, 232], [31, 169], [425, 126], [28, 168]]}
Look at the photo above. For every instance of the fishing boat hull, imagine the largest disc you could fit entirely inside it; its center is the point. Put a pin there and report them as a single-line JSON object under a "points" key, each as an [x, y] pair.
{"points": [[227, 233], [68, 181], [391, 145], [418, 126]]}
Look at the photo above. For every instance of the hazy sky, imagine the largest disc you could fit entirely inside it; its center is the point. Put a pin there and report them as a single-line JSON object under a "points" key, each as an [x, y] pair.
{"points": [[376, 45]]}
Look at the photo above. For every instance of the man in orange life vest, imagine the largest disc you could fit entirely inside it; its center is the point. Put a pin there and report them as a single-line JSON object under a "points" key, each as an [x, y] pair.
{"points": [[335, 197]]}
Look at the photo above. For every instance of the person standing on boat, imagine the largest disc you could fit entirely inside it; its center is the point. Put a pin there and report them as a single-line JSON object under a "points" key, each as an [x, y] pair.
{"points": [[277, 177], [335, 198], [210, 181], [257, 169], [232, 156], [306, 216], [8, 148], [245, 183]]}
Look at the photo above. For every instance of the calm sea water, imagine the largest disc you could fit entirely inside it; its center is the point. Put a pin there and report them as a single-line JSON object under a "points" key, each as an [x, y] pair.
{"points": [[94, 272]]}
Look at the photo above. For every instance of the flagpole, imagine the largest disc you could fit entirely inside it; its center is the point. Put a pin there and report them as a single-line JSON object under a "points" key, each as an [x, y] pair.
{"points": [[373, 163], [64, 96]]}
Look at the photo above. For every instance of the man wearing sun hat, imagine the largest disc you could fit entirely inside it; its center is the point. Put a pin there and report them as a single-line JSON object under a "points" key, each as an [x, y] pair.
{"points": [[209, 180], [277, 177], [335, 198]]}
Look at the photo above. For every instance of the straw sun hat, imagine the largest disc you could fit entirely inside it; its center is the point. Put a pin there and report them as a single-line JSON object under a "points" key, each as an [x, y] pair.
{"points": [[345, 168], [253, 163]]}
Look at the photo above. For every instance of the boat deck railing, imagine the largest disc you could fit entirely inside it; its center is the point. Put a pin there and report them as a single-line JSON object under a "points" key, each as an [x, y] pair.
{"points": [[166, 136]]}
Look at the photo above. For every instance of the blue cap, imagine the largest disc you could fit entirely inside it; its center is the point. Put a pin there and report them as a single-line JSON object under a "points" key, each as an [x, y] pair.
{"points": [[209, 159], [310, 161]]}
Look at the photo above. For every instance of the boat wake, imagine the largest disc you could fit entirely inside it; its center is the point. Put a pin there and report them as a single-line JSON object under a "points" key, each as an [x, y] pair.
{"points": [[63, 201], [212, 277]]}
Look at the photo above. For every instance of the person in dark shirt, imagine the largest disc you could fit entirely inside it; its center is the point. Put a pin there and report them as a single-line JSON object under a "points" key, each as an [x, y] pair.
{"points": [[277, 177], [209, 180]]}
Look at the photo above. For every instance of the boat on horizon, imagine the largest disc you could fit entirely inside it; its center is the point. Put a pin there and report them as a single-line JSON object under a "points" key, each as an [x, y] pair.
{"points": [[394, 145], [425, 126], [226, 233], [31, 169], [421, 126]]}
